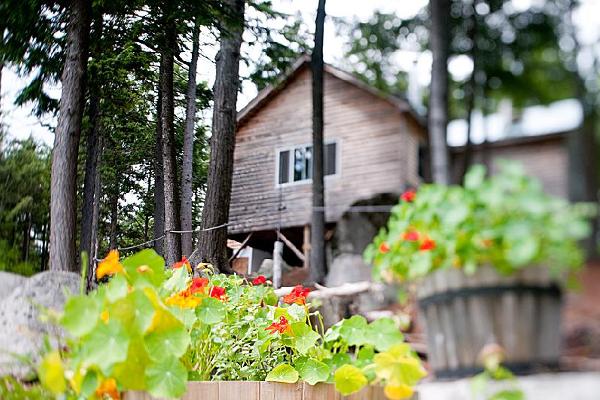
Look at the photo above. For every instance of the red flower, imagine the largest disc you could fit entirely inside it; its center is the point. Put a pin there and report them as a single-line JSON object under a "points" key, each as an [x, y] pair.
{"points": [[184, 261], [198, 285], [217, 292], [428, 244], [298, 295], [411, 236], [408, 196], [259, 280], [282, 326], [384, 248]]}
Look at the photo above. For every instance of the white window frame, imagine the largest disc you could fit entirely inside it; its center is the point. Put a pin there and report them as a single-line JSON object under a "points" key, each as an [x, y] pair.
{"points": [[291, 149]]}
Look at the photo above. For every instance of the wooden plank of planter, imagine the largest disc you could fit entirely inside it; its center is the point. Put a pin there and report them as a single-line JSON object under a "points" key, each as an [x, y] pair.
{"points": [[280, 391], [320, 391], [233, 390], [201, 390]]}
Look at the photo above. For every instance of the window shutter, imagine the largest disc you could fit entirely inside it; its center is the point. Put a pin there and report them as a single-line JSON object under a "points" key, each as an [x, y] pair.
{"points": [[330, 159], [284, 166]]}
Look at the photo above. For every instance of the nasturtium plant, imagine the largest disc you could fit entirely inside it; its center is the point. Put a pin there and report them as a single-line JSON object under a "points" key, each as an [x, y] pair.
{"points": [[505, 221], [152, 328]]}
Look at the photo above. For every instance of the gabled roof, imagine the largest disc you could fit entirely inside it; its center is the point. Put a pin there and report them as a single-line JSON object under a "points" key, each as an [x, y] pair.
{"points": [[266, 94]]}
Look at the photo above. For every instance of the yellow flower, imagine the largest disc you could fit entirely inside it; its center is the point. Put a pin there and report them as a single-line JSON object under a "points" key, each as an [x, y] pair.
{"points": [[110, 265], [104, 316], [398, 392], [184, 299], [108, 389]]}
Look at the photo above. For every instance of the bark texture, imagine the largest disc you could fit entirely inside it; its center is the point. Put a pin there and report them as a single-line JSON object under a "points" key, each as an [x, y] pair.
{"points": [[172, 246], [470, 93], [212, 245], [318, 267], [159, 183], [92, 159], [66, 141], [188, 148], [438, 100]]}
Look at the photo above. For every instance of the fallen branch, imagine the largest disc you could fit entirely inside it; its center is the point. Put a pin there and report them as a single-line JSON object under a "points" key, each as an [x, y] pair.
{"points": [[347, 289]]}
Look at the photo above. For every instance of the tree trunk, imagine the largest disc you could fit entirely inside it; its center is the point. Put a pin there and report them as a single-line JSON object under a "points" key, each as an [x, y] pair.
{"points": [[172, 246], [159, 183], [63, 196], [318, 267], [438, 98], [188, 148], [93, 254], [26, 237], [114, 215], [44, 256], [470, 94], [92, 154], [212, 245]]}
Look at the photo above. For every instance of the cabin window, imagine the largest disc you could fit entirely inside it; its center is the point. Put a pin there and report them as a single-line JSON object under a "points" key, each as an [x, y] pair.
{"points": [[295, 165]]}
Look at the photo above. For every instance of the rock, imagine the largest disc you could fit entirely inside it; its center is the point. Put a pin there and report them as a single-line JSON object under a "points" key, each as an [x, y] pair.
{"points": [[21, 331], [8, 282], [347, 268], [355, 230]]}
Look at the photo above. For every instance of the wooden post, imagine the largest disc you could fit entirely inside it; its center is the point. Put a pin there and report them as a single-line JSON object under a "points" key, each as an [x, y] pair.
{"points": [[306, 246], [277, 250]]}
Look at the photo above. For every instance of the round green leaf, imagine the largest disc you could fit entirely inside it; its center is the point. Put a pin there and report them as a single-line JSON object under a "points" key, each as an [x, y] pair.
{"points": [[283, 373], [303, 337], [166, 378], [353, 330], [349, 379], [211, 311], [383, 334], [106, 345], [135, 311], [312, 371], [131, 372], [81, 315], [148, 257], [116, 288], [168, 338], [296, 312]]}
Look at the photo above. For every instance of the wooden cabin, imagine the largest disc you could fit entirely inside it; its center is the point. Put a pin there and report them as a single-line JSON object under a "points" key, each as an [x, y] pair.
{"points": [[545, 157], [371, 147]]}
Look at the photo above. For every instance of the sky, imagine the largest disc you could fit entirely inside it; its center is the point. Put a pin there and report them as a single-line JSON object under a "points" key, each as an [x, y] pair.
{"points": [[21, 123]]}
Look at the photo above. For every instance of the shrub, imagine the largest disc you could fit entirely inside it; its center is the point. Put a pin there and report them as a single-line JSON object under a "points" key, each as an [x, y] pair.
{"points": [[151, 328], [505, 221]]}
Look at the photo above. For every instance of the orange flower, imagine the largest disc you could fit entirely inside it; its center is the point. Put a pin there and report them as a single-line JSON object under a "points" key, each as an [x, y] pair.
{"points": [[217, 292], [108, 388], [408, 196], [184, 299], [198, 285], [184, 261], [384, 248], [298, 295], [411, 236], [428, 244], [110, 265], [259, 280], [282, 326]]}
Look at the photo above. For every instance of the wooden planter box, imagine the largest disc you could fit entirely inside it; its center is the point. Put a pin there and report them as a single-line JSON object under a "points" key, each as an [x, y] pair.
{"points": [[229, 390], [463, 313]]}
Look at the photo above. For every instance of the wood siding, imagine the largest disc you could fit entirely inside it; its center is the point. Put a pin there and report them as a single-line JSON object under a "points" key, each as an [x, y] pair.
{"points": [[377, 153], [544, 157]]}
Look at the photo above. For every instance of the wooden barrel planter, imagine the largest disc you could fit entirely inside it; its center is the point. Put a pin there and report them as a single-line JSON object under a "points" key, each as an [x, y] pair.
{"points": [[463, 313], [234, 390]]}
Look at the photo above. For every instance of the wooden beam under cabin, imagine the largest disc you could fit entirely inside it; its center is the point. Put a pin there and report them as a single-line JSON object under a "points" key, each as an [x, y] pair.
{"points": [[244, 243], [289, 244]]}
